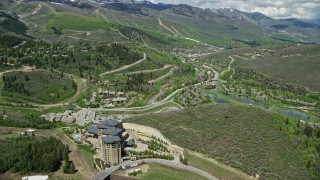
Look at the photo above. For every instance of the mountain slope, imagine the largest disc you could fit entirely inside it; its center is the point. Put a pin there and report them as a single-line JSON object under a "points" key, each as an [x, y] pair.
{"points": [[243, 137], [205, 26]]}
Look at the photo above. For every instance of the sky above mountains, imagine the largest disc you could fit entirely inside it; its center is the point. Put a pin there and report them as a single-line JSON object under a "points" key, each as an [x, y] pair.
{"points": [[301, 9]]}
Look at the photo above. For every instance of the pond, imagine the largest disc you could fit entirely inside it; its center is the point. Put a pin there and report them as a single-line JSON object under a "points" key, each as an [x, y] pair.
{"points": [[216, 99], [76, 137], [294, 113], [247, 100]]}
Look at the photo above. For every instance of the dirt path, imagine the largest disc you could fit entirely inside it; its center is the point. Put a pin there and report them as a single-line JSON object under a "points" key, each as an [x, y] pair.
{"points": [[35, 11], [177, 32], [77, 38], [23, 69], [125, 37], [48, 6], [166, 27], [170, 73], [75, 155], [125, 66], [229, 67], [151, 70], [97, 11]]}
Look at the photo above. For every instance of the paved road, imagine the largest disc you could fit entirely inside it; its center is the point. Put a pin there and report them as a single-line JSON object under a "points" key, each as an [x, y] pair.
{"points": [[155, 97], [105, 173], [216, 74], [126, 66], [143, 108], [150, 70], [170, 73]]}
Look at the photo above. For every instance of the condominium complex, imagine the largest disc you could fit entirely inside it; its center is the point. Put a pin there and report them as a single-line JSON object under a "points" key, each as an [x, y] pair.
{"points": [[111, 137]]}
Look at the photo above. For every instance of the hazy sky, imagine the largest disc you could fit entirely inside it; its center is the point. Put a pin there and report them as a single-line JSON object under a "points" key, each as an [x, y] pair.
{"points": [[302, 9]]}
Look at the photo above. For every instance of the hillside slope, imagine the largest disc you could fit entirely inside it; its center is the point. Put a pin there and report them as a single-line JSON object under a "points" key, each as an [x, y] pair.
{"points": [[243, 137], [205, 26]]}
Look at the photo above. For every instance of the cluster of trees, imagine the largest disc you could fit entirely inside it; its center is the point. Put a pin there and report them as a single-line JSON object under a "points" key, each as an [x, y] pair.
{"points": [[32, 154], [308, 137], [82, 58], [28, 123], [262, 81], [11, 85], [9, 41], [156, 146]]}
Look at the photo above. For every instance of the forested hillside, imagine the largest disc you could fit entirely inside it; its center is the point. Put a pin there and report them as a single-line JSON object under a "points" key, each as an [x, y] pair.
{"points": [[32, 154]]}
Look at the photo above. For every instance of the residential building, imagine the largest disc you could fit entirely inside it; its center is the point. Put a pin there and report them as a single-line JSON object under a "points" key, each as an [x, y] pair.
{"points": [[110, 134]]}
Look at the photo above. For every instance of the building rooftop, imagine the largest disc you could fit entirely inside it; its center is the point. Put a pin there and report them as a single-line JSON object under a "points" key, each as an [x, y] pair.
{"points": [[108, 123], [111, 139], [92, 130], [112, 131]]}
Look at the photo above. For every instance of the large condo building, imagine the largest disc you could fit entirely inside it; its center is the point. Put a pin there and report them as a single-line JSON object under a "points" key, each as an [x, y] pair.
{"points": [[111, 137]]}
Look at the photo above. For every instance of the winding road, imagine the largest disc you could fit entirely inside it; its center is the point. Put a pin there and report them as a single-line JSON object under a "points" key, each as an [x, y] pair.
{"points": [[105, 173], [229, 67], [216, 74], [125, 66], [150, 70], [170, 73], [166, 27]]}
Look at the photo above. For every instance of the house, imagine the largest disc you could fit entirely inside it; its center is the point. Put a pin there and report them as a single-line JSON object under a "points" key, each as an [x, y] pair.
{"points": [[112, 93], [119, 100], [120, 94], [65, 117]]}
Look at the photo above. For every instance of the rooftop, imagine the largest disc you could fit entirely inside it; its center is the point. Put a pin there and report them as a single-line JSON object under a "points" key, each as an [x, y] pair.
{"points": [[92, 130], [108, 123], [112, 131], [111, 139]]}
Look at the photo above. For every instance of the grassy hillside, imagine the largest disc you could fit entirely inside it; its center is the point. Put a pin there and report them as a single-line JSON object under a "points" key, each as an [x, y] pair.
{"points": [[62, 20], [162, 172], [243, 137], [299, 65]]}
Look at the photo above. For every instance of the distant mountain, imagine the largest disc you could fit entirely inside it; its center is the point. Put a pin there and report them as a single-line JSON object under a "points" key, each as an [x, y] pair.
{"points": [[211, 26], [314, 21]]}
